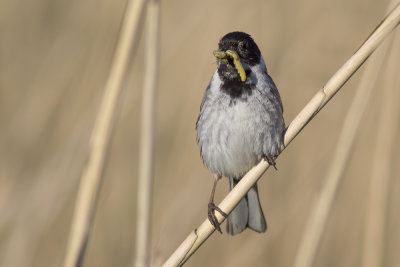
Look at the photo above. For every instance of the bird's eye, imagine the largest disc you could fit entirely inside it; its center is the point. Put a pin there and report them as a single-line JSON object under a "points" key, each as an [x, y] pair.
{"points": [[244, 45]]}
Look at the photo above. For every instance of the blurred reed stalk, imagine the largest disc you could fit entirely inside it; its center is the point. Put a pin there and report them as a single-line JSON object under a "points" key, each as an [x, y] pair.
{"points": [[317, 221], [101, 135], [198, 236], [146, 155], [380, 176]]}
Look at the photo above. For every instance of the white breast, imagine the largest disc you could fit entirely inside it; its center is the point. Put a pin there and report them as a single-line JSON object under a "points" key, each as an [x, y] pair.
{"points": [[227, 133]]}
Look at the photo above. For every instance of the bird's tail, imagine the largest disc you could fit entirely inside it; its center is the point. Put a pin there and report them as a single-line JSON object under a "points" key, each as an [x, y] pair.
{"points": [[248, 213]]}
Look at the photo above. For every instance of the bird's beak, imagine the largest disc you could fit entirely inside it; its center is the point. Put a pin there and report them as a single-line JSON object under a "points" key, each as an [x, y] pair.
{"points": [[219, 54]]}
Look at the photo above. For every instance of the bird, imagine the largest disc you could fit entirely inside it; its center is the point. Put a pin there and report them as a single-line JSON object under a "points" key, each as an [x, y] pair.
{"points": [[240, 123]]}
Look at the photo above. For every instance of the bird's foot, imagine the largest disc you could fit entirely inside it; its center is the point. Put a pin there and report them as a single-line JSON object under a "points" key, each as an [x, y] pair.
{"points": [[271, 161], [211, 215]]}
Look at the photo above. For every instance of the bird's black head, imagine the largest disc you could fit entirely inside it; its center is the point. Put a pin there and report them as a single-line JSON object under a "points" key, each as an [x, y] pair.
{"points": [[237, 53], [243, 44]]}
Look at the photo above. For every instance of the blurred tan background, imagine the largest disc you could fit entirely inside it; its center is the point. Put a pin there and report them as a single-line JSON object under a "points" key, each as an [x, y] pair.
{"points": [[54, 60]]}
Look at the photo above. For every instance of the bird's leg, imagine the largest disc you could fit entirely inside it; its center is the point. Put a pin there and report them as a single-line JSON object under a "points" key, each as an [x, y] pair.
{"points": [[271, 161], [212, 207]]}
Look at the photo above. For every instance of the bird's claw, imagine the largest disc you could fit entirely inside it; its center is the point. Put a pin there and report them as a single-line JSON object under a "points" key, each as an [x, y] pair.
{"points": [[271, 161], [212, 218]]}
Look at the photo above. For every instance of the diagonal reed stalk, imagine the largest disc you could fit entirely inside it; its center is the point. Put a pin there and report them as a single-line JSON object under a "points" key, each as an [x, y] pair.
{"points": [[198, 236], [146, 155], [101, 135]]}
